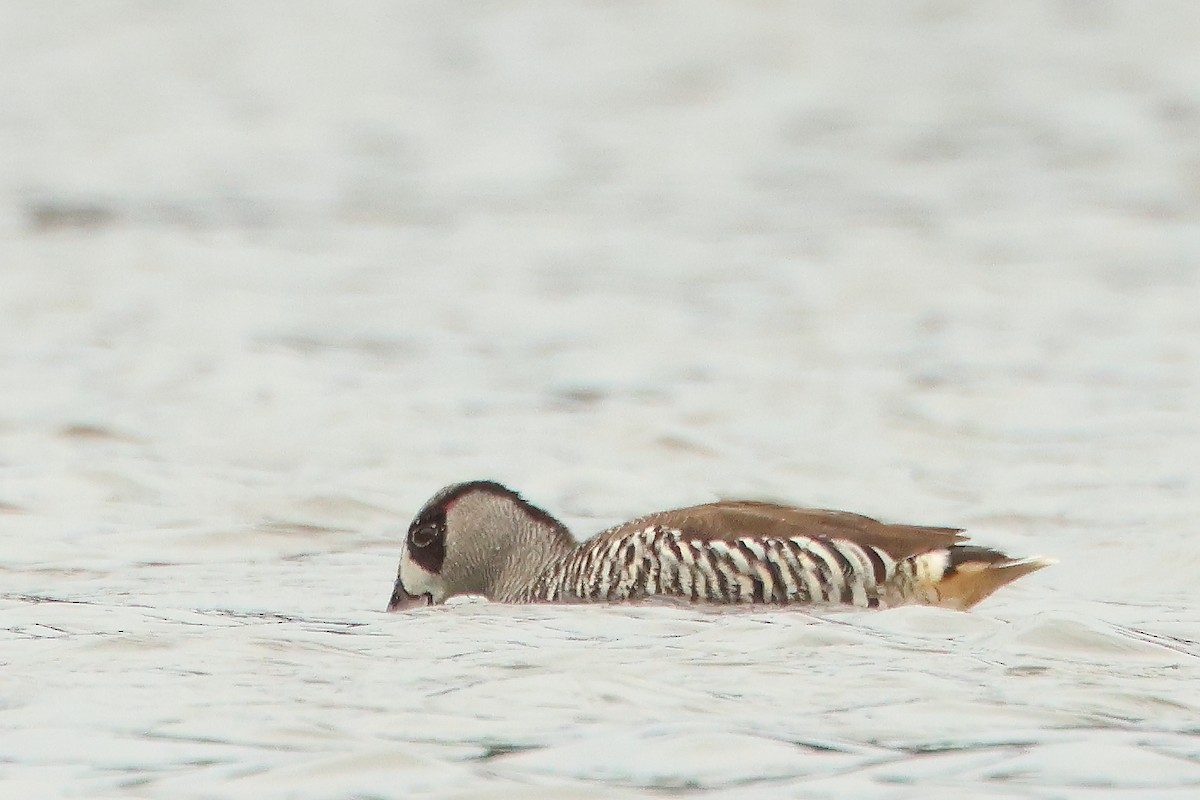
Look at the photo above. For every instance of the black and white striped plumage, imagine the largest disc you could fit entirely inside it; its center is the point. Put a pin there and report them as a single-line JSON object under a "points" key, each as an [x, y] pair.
{"points": [[482, 538]]}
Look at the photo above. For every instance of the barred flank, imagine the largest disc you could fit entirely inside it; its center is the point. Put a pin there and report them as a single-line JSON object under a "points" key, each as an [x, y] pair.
{"points": [[657, 560]]}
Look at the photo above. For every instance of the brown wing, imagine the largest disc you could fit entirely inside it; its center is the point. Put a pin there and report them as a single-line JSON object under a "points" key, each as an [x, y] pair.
{"points": [[733, 519]]}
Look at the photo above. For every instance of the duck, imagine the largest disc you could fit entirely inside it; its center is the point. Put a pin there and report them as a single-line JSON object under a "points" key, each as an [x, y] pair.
{"points": [[481, 538]]}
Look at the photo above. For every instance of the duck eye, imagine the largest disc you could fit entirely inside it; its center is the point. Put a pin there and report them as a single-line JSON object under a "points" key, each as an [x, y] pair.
{"points": [[423, 536]]}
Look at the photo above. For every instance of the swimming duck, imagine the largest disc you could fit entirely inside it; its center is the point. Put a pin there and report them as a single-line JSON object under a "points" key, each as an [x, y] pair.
{"points": [[482, 538]]}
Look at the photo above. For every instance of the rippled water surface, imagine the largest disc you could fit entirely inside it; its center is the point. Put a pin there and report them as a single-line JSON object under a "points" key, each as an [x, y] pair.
{"points": [[274, 273]]}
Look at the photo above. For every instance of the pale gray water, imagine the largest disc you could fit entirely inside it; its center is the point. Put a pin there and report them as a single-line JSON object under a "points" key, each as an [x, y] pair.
{"points": [[274, 273]]}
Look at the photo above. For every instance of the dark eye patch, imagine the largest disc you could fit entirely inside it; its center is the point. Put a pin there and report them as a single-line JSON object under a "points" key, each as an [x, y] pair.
{"points": [[423, 536], [427, 539]]}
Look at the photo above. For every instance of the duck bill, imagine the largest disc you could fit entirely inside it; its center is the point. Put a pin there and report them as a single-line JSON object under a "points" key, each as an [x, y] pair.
{"points": [[402, 600]]}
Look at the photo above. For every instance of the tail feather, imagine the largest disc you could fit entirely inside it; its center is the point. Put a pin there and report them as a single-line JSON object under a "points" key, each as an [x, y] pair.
{"points": [[973, 573]]}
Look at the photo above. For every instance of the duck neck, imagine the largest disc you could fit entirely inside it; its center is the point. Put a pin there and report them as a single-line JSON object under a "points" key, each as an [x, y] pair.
{"points": [[531, 550]]}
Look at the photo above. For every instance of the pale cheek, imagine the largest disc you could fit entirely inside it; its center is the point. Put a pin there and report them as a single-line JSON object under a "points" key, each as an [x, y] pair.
{"points": [[419, 581]]}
